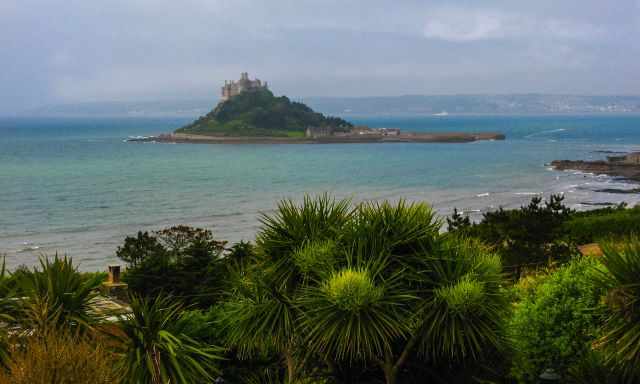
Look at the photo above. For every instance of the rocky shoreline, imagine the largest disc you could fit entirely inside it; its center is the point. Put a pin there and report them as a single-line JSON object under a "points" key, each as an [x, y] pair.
{"points": [[444, 137], [605, 167]]}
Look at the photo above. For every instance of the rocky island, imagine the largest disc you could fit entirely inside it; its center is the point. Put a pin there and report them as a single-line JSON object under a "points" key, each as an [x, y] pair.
{"points": [[249, 112], [625, 166]]}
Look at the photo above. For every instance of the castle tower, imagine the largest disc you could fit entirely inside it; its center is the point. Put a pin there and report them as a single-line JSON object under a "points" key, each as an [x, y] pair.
{"points": [[234, 88]]}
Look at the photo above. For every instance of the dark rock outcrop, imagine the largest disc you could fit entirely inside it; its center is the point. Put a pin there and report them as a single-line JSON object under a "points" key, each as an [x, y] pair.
{"points": [[627, 171]]}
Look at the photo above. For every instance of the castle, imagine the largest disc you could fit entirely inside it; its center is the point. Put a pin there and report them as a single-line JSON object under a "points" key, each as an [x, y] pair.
{"points": [[233, 88]]}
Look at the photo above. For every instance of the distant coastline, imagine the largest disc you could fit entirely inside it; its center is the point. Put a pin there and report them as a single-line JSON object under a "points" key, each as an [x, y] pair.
{"points": [[455, 105]]}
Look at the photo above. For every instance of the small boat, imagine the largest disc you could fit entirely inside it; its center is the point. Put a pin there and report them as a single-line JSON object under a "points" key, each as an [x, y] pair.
{"points": [[443, 113]]}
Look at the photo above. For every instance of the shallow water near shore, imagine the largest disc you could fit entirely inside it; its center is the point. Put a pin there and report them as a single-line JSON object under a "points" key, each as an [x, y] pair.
{"points": [[73, 186]]}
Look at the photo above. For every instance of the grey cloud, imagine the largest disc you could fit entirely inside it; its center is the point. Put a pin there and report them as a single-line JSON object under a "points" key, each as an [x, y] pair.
{"points": [[55, 51]]}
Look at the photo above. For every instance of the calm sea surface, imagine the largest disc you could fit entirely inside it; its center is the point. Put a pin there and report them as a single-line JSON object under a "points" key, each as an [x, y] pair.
{"points": [[73, 186]]}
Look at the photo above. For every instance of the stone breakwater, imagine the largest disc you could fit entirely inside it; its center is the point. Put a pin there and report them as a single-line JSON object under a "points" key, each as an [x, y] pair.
{"points": [[627, 171], [445, 137]]}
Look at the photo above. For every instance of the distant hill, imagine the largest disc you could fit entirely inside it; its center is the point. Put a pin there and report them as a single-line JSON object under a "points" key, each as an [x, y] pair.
{"points": [[423, 104], [477, 104], [174, 108], [260, 113]]}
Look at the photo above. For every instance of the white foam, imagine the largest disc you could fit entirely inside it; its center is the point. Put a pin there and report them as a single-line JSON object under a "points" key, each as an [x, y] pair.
{"points": [[528, 193], [542, 133]]}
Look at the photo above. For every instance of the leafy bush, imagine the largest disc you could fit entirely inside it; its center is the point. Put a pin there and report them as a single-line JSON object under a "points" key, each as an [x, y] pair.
{"points": [[533, 234], [183, 261], [556, 319]]}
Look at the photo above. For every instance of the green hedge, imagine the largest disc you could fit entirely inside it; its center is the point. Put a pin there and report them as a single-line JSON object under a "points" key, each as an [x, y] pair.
{"points": [[593, 226]]}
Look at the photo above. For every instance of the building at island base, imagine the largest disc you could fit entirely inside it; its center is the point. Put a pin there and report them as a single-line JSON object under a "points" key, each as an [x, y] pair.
{"points": [[360, 130], [234, 88]]}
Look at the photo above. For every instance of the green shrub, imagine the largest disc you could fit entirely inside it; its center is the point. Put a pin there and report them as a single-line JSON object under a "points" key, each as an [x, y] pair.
{"points": [[593, 226], [183, 261], [555, 320], [531, 235]]}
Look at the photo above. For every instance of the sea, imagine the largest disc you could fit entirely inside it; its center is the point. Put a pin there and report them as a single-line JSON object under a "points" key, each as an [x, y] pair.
{"points": [[74, 186]]}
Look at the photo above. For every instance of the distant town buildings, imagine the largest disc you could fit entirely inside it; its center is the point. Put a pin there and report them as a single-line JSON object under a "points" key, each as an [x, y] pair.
{"points": [[234, 88], [632, 158]]}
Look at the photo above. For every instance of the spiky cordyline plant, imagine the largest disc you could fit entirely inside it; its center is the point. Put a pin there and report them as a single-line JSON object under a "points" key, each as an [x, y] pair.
{"points": [[65, 291], [458, 305], [150, 352], [409, 291], [382, 229], [463, 305], [397, 288], [265, 313], [621, 332], [355, 314], [317, 218]]}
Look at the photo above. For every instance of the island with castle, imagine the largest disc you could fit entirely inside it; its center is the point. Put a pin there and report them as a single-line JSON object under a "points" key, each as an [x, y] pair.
{"points": [[248, 112]]}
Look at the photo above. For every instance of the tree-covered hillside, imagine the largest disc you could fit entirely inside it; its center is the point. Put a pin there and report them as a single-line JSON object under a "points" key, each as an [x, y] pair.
{"points": [[260, 113]]}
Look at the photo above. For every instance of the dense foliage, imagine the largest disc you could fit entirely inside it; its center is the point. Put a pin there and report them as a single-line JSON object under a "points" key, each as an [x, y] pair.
{"points": [[260, 113], [556, 319], [183, 261], [591, 226], [532, 234], [373, 285], [542, 232], [153, 350], [338, 293]]}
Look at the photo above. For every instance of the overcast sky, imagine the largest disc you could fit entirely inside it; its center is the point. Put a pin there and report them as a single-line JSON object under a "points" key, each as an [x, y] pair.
{"points": [[66, 51]]}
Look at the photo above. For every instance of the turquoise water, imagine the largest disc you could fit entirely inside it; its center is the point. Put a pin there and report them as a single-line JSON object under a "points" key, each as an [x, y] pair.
{"points": [[73, 186]]}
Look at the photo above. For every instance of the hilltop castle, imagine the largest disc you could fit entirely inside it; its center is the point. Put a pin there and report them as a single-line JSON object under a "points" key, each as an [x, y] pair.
{"points": [[233, 88]]}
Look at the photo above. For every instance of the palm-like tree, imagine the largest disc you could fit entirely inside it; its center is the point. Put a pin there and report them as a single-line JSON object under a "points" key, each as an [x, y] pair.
{"points": [[375, 284], [59, 291], [152, 352], [621, 333], [265, 312], [412, 292], [461, 305]]}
